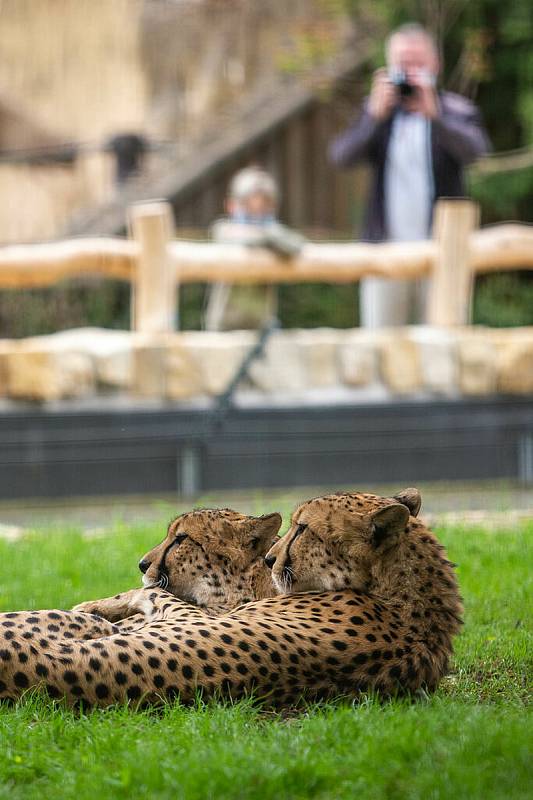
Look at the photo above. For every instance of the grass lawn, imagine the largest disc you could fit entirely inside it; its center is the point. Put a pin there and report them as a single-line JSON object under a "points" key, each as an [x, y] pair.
{"points": [[473, 739]]}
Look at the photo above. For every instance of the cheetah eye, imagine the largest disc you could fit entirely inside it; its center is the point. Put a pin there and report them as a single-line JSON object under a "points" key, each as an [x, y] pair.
{"points": [[301, 527], [179, 539]]}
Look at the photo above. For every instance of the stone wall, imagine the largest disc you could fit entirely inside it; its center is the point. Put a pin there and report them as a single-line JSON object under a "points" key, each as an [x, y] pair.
{"points": [[297, 364]]}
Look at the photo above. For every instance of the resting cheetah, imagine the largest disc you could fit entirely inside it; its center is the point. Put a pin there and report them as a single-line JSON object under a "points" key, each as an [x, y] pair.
{"points": [[221, 567], [394, 593], [376, 606], [218, 566]]}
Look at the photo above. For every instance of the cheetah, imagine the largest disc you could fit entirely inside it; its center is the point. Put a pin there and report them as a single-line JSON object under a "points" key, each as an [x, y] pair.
{"points": [[368, 601], [391, 590], [218, 566]]}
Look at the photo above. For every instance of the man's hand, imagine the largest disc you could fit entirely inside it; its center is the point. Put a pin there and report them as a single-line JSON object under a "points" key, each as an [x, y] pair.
{"points": [[383, 97]]}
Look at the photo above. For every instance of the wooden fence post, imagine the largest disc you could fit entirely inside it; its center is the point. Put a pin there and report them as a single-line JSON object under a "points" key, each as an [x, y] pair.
{"points": [[450, 294], [155, 291]]}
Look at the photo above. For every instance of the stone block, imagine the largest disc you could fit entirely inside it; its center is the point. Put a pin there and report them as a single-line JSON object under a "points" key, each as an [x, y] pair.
{"points": [[477, 363], [164, 368], [5, 347], [438, 358], [515, 363], [182, 372], [149, 357], [281, 369], [218, 356], [111, 352], [400, 363], [319, 351], [358, 358], [40, 370]]}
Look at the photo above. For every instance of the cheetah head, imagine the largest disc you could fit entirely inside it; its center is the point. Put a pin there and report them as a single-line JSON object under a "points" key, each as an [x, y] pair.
{"points": [[207, 556], [335, 541]]}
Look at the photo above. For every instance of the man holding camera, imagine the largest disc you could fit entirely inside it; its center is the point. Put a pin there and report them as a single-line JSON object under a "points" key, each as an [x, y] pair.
{"points": [[417, 141]]}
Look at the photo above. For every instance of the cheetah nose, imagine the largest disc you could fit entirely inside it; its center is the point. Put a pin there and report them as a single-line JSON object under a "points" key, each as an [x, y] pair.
{"points": [[143, 565], [270, 561]]}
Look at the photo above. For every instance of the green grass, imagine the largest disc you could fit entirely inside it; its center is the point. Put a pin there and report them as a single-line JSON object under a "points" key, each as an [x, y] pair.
{"points": [[472, 739]]}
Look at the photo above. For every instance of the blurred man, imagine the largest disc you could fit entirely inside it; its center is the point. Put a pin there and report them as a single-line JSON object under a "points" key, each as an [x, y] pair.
{"points": [[251, 206], [418, 141]]}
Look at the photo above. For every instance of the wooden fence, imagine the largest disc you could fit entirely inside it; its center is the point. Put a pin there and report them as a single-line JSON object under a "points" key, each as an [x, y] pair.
{"points": [[156, 263]]}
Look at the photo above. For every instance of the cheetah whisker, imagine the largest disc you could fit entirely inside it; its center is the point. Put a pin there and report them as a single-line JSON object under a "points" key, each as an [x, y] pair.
{"points": [[161, 584], [286, 579]]}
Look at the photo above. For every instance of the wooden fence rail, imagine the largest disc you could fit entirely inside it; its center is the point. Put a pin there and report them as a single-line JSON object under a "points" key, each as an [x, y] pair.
{"points": [[156, 264]]}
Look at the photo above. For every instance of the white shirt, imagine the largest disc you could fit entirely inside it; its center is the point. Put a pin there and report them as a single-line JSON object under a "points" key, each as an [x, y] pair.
{"points": [[408, 178]]}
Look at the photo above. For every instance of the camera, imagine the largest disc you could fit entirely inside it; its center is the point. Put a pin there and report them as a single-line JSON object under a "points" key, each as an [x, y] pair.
{"points": [[399, 79]]}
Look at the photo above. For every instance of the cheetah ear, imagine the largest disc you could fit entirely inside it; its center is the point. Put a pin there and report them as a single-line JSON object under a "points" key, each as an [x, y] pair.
{"points": [[388, 523], [410, 498], [264, 529]]}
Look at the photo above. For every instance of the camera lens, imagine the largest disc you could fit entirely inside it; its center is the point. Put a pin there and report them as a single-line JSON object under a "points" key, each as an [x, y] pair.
{"points": [[399, 79], [406, 89]]}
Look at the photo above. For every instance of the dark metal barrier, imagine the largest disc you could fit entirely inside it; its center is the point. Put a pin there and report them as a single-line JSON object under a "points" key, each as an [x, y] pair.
{"points": [[74, 452]]}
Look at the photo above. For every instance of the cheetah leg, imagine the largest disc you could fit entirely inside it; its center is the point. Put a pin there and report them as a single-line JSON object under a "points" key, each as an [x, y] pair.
{"points": [[116, 608], [131, 605], [55, 624]]}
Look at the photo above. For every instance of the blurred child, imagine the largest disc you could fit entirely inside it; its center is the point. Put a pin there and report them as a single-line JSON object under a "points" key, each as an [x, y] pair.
{"points": [[251, 207]]}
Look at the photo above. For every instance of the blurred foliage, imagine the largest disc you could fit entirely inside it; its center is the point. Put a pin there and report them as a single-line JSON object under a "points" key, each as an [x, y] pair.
{"points": [[192, 305], [318, 305], [33, 312], [504, 299], [503, 195]]}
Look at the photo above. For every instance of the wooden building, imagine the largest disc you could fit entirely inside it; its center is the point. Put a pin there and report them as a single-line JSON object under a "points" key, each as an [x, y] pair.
{"points": [[286, 129]]}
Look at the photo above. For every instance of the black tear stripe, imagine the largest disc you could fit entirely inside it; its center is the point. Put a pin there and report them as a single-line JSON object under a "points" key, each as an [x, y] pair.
{"points": [[162, 568], [299, 530]]}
